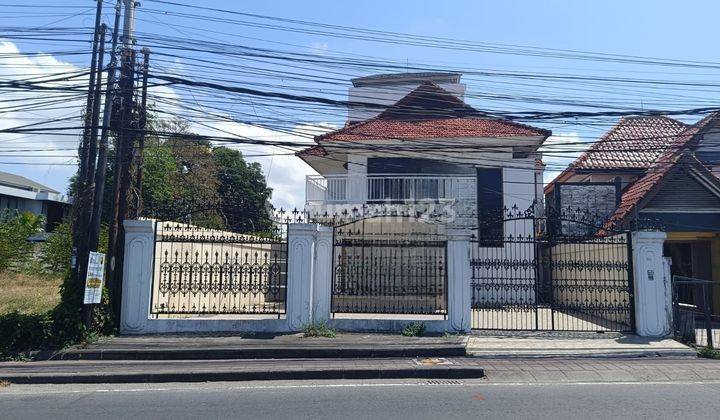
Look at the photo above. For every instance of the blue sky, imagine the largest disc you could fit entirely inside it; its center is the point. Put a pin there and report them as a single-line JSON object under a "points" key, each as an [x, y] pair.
{"points": [[665, 29]]}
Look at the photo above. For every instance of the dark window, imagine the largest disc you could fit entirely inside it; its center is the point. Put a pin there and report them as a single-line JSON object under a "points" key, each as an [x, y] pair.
{"points": [[490, 206]]}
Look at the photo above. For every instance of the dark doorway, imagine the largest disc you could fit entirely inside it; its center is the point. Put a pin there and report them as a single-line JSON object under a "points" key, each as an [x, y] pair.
{"points": [[689, 259]]}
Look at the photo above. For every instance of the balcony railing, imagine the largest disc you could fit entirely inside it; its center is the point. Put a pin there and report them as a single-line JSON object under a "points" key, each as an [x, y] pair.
{"points": [[361, 188]]}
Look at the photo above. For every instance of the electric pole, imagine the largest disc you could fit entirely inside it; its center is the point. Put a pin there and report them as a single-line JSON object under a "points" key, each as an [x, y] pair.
{"points": [[83, 196], [123, 159], [101, 170]]}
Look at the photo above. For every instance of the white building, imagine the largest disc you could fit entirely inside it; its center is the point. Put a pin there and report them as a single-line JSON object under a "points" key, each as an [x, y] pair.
{"points": [[20, 194], [420, 144]]}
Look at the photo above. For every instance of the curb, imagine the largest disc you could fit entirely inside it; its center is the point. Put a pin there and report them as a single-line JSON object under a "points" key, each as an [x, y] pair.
{"points": [[290, 374], [577, 354], [263, 353]]}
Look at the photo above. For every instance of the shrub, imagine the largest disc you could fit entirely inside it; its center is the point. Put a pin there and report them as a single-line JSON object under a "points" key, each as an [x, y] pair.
{"points": [[414, 329], [15, 228], [57, 250], [21, 332], [318, 330], [708, 353]]}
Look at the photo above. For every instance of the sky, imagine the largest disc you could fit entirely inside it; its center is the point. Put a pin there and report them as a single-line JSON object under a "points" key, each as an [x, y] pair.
{"points": [[664, 29]]}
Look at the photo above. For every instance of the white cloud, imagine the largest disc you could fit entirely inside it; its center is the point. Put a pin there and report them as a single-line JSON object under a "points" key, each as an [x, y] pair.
{"points": [[559, 151], [15, 65], [319, 48], [285, 172]]}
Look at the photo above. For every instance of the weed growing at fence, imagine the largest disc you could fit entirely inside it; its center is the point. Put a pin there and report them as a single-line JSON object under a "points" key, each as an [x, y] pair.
{"points": [[708, 353], [4, 384], [414, 329], [318, 330]]}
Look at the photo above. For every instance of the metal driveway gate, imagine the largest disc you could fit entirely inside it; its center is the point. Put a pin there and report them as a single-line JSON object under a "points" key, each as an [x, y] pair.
{"points": [[527, 275]]}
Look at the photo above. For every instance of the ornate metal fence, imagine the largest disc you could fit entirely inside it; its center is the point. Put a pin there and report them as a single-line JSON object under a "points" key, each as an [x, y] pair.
{"points": [[525, 278], [200, 271], [389, 273]]}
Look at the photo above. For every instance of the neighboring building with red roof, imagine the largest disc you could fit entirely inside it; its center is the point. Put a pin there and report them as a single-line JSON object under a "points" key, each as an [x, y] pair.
{"points": [[665, 175], [428, 146]]}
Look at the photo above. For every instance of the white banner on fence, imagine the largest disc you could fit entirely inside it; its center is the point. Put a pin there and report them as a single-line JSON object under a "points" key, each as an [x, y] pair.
{"points": [[94, 279]]}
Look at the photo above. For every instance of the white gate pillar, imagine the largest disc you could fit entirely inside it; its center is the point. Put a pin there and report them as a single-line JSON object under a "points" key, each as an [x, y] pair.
{"points": [[653, 287], [301, 238], [137, 275], [322, 274], [459, 272]]}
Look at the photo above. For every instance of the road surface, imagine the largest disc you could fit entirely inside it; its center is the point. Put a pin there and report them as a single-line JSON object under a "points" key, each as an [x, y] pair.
{"points": [[363, 400]]}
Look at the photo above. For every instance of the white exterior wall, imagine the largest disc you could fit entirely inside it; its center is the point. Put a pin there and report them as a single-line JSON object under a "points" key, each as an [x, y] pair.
{"points": [[387, 95]]}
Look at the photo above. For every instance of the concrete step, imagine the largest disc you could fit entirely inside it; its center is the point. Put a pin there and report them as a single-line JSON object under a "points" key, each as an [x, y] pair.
{"points": [[64, 372], [294, 346]]}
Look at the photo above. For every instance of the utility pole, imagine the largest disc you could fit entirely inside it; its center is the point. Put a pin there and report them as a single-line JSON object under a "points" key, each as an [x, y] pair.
{"points": [[141, 127], [123, 159], [83, 204], [92, 156], [101, 171]]}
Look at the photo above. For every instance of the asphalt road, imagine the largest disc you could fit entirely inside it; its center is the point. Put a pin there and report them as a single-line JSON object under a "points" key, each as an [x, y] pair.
{"points": [[362, 400]]}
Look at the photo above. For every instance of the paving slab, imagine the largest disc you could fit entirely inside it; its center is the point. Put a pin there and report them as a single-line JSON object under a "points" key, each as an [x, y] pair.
{"points": [[554, 344], [284, 346]]}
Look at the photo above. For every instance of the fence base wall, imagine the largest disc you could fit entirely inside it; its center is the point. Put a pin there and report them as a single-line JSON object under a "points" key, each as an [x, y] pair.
{"points": [[309, 284]]}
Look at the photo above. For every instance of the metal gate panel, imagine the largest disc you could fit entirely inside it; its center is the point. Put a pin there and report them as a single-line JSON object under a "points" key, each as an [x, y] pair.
{"points": [[529, 279]]}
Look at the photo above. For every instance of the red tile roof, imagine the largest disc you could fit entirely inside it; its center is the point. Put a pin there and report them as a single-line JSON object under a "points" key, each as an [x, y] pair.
{"points": [[633, 143], [635, 194], [430, 112], [312, 151]]}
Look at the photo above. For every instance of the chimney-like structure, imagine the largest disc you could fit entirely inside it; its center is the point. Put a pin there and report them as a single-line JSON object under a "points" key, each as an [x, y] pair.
{"points": [[386, 89]]}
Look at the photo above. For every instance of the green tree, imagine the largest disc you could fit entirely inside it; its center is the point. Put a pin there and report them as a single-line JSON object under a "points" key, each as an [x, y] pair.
{"points": [[243, 192]]}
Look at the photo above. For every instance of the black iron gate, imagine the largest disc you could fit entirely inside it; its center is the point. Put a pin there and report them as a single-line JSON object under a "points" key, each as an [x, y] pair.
{"points": [[382, 267], [527, 275]]}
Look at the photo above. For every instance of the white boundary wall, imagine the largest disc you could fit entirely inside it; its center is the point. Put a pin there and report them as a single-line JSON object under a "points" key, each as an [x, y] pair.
{"points": [[309, 284]]}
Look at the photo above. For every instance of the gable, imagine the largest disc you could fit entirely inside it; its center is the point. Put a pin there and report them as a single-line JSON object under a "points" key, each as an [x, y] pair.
{"points": [[681, 192]]}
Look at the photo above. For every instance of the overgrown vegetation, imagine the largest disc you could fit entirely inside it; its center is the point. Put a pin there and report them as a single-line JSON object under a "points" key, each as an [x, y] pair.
{"points": [[414, 329], [708, 353], [318, 330], [33, 278]]}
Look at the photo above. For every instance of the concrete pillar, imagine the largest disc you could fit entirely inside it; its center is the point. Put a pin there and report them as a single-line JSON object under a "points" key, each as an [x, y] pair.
{"points": [[137, 275], [322, 274], [459, 273], [653, 287], [301, 238], [357, 179]]}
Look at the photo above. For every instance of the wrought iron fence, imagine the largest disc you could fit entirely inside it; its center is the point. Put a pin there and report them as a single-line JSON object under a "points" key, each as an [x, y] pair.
{"points": [[398, 273], [695, 315], [201, 271]]}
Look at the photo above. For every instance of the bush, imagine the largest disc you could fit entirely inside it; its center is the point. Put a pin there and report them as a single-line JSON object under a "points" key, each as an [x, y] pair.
{"points": [[21, 332], [15, 228], [318, 330], [414, 329], [708, 353], [57, 250]]}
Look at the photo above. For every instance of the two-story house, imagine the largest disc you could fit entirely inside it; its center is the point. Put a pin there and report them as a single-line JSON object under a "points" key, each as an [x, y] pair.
{"points": [[411, 141]]}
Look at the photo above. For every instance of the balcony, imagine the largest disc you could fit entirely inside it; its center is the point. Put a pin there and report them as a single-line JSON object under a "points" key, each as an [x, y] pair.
{"points": [[382, 188]]}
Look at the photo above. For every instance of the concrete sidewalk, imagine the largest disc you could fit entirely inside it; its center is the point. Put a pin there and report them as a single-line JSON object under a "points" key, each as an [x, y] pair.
{"points": [[285, 346], [560, 344]]}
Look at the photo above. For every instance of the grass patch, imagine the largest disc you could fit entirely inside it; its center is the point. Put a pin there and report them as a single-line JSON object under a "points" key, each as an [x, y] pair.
{"points": [[318, 330], [414, 329], [4, 384], [708, 353], [28, 294]]}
